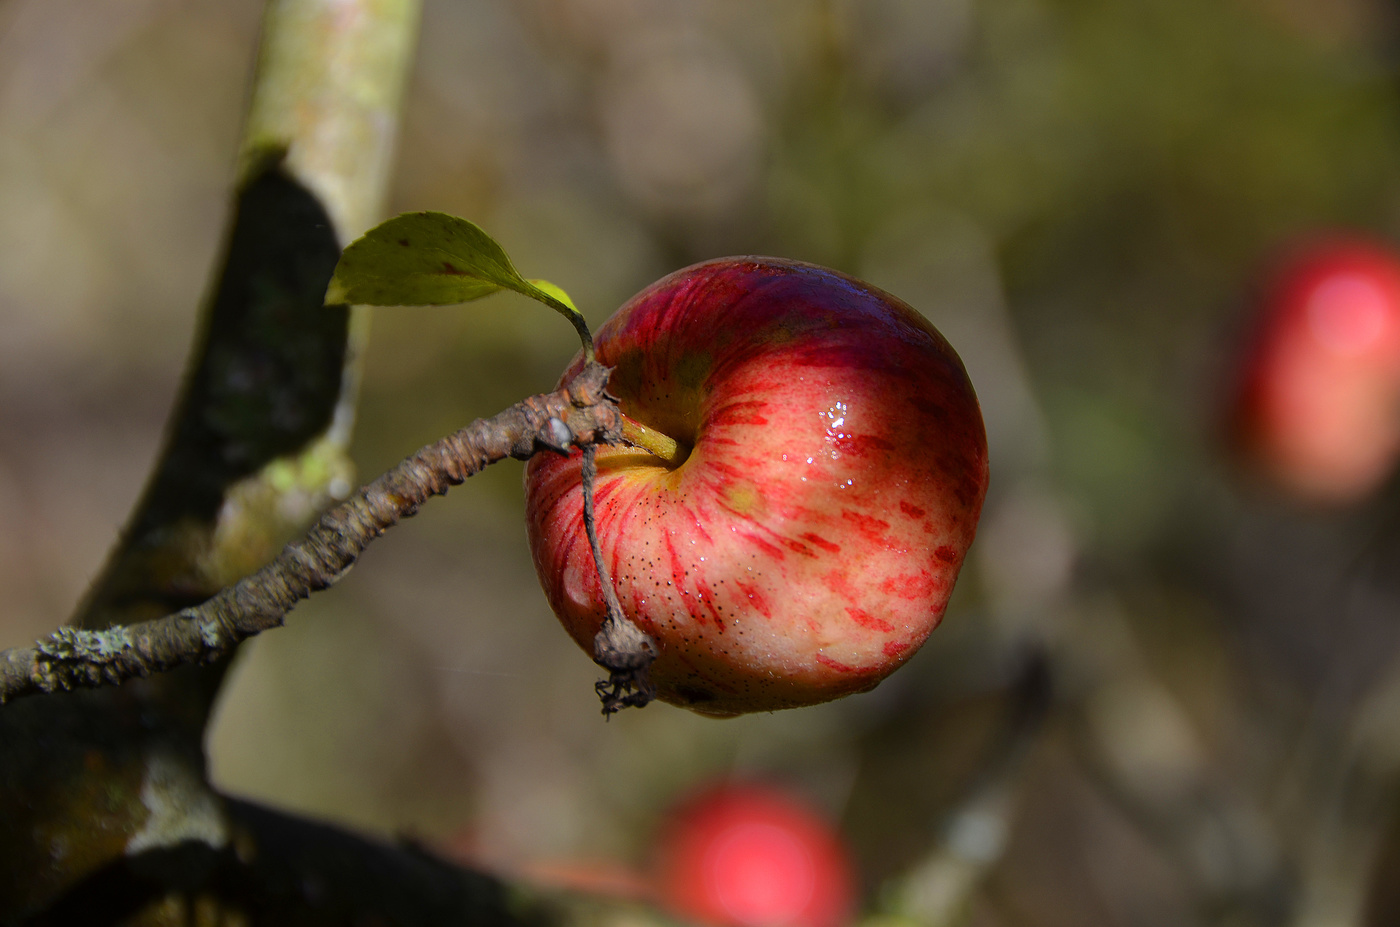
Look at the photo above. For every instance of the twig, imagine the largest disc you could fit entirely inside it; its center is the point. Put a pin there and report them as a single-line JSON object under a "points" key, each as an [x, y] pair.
{"points": [[578, 414], [620, 647]]}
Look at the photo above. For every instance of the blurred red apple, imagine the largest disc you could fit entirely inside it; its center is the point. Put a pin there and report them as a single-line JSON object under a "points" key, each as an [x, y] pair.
{"points": [[830, 467], [752, 856], [1318, 409]]}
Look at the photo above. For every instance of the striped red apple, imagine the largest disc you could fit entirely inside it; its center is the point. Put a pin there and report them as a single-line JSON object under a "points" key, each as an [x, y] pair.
{"points": [[806, 470]]}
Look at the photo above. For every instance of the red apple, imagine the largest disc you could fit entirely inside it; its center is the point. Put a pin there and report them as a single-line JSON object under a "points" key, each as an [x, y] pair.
{"points": [[834, 465], [1318, 409], [752, 856]]}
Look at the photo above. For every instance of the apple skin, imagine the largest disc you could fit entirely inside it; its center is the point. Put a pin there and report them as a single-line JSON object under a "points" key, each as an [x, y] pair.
{"points": [[809, 542], [1318, 405], [749, 855]]}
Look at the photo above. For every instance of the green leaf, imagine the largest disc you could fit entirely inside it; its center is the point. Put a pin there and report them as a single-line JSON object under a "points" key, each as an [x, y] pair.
{"points": [[422, 259], [433, 259], [551, 293]]}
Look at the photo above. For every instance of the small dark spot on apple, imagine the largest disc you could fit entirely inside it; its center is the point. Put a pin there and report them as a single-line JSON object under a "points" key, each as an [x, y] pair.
{"points": [[694, 694], [946, 553], [404, 242]]}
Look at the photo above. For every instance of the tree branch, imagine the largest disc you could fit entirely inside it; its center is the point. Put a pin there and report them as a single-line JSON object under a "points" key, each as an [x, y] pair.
{"points": [[578, 414]]}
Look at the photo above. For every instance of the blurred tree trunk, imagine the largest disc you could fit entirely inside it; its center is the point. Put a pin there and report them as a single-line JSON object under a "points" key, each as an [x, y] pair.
{"points": [[106, 813]]}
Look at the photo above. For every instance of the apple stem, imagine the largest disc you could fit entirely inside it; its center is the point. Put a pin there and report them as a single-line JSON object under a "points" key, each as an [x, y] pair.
{"points": [[620, 647], [653, 442]]}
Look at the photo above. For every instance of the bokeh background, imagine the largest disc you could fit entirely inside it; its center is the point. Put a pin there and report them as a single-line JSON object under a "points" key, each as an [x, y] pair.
{"points": [[1164, 694]]}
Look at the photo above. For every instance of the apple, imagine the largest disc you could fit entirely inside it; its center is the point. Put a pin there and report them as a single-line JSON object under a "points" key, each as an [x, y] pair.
{"points": [[808, 469], [748, 855], [1318, 405]]}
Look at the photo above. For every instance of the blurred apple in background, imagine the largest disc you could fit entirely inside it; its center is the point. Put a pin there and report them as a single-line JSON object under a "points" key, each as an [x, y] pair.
{"points": [[822, 467], [1318, 407], [749, 855], [730, 854]]}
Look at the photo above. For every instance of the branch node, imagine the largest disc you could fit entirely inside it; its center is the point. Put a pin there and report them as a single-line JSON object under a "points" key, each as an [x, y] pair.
{"points": [[589, 386]]}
